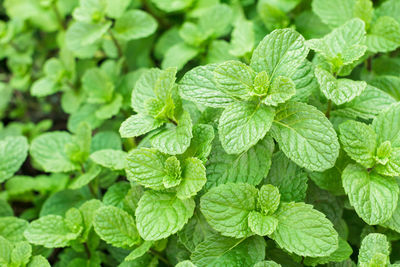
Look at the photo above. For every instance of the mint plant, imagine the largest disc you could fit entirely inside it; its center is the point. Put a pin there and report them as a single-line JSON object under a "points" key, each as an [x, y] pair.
{"points": [[199, 133]]}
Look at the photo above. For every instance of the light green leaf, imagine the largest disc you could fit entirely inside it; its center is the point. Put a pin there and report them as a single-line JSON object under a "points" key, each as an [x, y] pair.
{"points": [[392, 166], [339, 91], [193, 178], [242, 39], [314, 237], [218, 251], [144, 90], [384, 35], [306, 136], [281, 90], [139, 251], [359, 142], [389, 8], [201, 143], [227, 207], [374, 247], [242, 125], [234, 78], [249, 167], [13, 152], [364, 10], [374, 197], [388, 84], [134, 24], [267, 264], [109, 158], [342, 253], [146, 167], [334, 12], [85, 178], [44, 87], [21, 253], [185, 264], [88, 211], [198, 85], [280, 53], [261, 224], [368, 105], [380, 124], [105, 140], [111, 108], [115, 9], [191, 34], [5, 208], [216, 20], [343, 45], [269, 199], [48, 150], [98, 85], [116, 227], [174, 140], [12, 228], [38, 261], [51, 231], [137, 125], [160, 215], [89, 10], [178, 55], [289, 178], [172, 5]]}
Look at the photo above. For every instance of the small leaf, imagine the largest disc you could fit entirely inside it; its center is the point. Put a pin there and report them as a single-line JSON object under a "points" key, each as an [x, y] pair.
{"points": [[242, 125], [193, 178], [374, 247], [13, 152], [281, 90], [261, 224], [269, 198], [134, 24], [109, 158]]}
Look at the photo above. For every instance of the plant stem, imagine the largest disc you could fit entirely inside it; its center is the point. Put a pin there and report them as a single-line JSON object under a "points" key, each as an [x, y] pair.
{"points": [[328, 110], [160, 257], [116, 43], [87, 250], [58, 15]]}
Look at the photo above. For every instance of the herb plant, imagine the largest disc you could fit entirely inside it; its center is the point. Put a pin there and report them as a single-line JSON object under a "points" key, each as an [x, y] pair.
{"points": [[199, 133]]}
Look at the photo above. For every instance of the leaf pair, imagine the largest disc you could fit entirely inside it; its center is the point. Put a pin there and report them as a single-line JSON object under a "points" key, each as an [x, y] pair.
{"points": [[232, 210]]}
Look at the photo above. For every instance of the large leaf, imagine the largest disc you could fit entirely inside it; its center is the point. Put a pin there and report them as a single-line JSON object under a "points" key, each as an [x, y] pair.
{"points": [[13, 152]]}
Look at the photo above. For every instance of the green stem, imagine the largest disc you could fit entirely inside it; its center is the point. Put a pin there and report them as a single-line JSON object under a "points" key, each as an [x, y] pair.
{"points": [[328, 110], [58, 16], [160, 257], [116, 43]]}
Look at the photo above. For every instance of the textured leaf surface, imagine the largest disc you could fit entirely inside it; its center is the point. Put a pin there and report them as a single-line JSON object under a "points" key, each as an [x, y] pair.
{"points": [[116, 227], [51, 231], [306, 136], [160, 215], [384, 35], [261, 224], [359, 141], [134, 24], [110, 158], [49, 151], [137, 125], [374, 197], [304, 230], [198, 85], [280, 53], [193, 178], [242, 125], [390, 117], [224, 251], [373, 247], [334, 12], [226, 208]]}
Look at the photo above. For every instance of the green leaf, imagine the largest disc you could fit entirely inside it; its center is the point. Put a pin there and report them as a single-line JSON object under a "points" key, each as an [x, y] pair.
{"points": [[38, 261], [216, 20], [359, 142], [137, 125], [242, 38], [174, 140], [234, 78], [249, 167], [388, 84], [105, 140], [134, 24], [12, 228], [343, 45], [289, 178], [51, 231], [21, 253], [280, 53], [160, 215], [392, 164], [335, 12], [261, 224], [342, 253], [380, 124], [364, 10], [85, 178], [267, 264], [374, 247], [374, 197], [98, 85], [384, 35], [269, 198], [191, 34], [111, 108], [109, 158], [82, 37], [172, 5], [227, 207], [88, 211], [185, 264], [306, 136], [193, 178], [116, 8], [5, 208], [89, 11], [198, 85], [146, 167], [339, 91], [281, 90], [242, 125], [314, 237], [201, 143], [44, 87], [219, 250], [48, 150], [13, 152], [139, 251], [178, 55], [116, 227]]}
